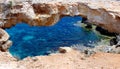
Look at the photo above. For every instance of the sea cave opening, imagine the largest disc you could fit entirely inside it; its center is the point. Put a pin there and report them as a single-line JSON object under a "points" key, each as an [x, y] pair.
{"points": [[43, 40]]}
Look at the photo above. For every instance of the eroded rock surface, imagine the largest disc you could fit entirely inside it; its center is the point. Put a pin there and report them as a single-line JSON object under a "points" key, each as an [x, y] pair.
{"points": [[69, 60], [105, 13], [5, 43]]}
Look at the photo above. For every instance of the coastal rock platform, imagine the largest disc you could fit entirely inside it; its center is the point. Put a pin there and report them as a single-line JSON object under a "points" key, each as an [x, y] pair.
{"points": [[70, 60]]}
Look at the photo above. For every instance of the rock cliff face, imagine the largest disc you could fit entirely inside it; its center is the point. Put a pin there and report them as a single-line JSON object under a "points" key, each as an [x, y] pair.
{"points": [[104, 13]]}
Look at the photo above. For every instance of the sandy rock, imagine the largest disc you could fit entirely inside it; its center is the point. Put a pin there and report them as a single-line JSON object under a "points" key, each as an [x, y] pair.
{"points": [[69, 60]]}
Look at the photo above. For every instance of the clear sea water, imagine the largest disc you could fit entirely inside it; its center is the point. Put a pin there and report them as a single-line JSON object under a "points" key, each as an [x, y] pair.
{"points": [[34, 40]]}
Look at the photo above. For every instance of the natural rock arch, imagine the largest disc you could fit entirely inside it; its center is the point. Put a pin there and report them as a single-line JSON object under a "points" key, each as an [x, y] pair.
{"points": [[46, 14]]}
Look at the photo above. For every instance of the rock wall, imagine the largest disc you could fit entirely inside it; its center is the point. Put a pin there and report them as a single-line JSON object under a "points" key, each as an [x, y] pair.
{"points": [[5, 43], [104, 13]]}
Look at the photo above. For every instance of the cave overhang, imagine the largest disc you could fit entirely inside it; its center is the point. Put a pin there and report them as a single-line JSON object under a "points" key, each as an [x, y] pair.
{"points": [[49, 13]]}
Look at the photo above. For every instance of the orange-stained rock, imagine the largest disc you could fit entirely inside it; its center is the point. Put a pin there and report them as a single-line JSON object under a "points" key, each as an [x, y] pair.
{"points": [[104, 13]]}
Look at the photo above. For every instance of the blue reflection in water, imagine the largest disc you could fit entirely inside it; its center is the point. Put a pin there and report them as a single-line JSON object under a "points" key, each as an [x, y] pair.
{"points": [[32, 41]]}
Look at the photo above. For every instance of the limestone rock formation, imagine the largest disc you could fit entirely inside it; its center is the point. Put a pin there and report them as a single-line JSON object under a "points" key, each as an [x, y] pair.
{"points": [[104, 13], [5, 43]]}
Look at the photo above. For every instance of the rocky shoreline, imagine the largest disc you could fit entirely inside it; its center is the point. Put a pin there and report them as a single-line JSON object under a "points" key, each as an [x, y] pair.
{"points": [[76, 57], [103, 13], [69, 59], [5, 43]]}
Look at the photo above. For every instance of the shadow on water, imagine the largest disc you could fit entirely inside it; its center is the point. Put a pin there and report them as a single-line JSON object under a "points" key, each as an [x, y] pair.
{"points": [[33, 41]]}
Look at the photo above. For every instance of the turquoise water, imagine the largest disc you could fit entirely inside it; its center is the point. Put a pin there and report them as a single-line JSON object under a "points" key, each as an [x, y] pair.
{"points": [[33, 41]]}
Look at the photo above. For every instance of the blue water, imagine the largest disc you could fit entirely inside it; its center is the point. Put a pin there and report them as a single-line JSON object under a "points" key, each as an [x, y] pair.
{"points": [[33, 41]]}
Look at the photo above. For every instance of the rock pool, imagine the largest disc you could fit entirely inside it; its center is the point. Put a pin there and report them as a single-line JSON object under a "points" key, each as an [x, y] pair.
{"points": [[33, 41]]}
